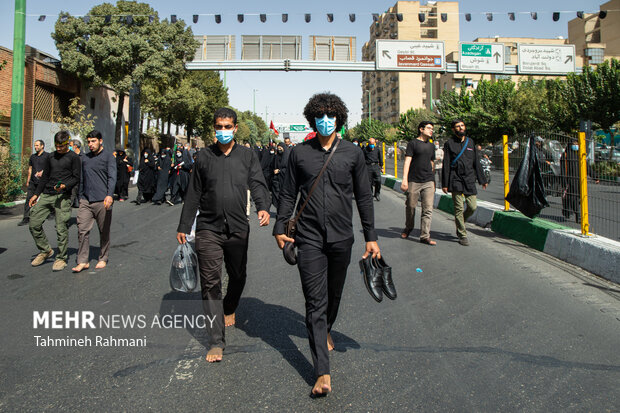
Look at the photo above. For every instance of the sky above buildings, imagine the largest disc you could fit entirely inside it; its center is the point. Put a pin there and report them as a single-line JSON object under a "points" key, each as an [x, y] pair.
{"points": [[281, 96]]}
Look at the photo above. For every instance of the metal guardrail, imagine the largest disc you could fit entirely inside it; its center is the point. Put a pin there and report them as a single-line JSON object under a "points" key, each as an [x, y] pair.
{"points": [[602, 180]]}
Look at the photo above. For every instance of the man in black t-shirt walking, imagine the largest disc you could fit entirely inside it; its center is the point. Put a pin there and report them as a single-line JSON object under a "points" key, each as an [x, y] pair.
{"points": [[53, 194], [35, 170], [419, 182], [374, 162]]}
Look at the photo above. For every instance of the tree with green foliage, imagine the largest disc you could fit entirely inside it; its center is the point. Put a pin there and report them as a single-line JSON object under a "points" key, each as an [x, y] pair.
{"points": [[194, 102], [485, 110], [77, 123], [407, 128], [595, 94], [119, 45], [369, 128]]}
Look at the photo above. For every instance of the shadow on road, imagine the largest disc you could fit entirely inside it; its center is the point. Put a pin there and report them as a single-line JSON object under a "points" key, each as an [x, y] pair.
{"points": [[275, 324]]}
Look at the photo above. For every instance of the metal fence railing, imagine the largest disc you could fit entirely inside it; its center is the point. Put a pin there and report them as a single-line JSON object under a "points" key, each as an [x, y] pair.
{"points": [[561, 171]]}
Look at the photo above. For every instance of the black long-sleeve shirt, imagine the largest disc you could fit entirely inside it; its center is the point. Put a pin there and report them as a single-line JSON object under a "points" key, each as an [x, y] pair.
{"points": [[218, 189], [462, 176], [64, 168], [329, 213], [373, 156], [98, 176]]}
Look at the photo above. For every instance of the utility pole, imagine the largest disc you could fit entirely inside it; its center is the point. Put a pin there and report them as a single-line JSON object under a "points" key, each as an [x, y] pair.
{"points": [[369, 109], [17, 86], [254, 100]]}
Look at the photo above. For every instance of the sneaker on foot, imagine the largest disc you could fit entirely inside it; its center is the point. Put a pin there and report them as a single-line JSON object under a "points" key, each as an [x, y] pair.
{"points": [[23, 222], [41, 257], [59, 265], [464, 241]]}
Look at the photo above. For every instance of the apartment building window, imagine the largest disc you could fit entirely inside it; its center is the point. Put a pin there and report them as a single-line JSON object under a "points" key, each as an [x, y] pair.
{"points": [[596, 56]]}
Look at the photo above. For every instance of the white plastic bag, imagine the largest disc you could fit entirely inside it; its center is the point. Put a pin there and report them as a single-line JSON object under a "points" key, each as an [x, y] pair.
{"points": [[184, 269]]}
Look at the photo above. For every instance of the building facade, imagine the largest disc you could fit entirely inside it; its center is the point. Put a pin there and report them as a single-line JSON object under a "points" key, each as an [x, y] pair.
{"points": [[596, 36], [387, 94]]}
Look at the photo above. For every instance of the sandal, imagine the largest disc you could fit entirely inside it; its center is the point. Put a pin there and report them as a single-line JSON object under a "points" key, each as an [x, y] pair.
{"points": [[405, 233], [427, 241]]}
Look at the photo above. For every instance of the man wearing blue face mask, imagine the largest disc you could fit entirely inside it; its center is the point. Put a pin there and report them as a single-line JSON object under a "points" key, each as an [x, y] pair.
{"points": [[324, 236], [218, 187], [374, 161]]}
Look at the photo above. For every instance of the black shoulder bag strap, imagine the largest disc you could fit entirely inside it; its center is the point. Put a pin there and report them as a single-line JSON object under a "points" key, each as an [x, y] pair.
{"points": [[460, 153], [316, 182]]}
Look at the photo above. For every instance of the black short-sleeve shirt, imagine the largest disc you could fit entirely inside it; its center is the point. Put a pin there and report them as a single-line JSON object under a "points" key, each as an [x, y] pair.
{"points": [[422, 153], [37, 162]]}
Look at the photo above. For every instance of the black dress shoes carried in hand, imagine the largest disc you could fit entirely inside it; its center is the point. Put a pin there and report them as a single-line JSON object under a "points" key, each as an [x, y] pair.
{"points": [[372, 279], [385, 271]]}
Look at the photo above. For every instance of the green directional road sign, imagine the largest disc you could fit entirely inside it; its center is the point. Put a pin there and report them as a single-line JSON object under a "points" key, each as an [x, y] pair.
{"points": [[481, 57], [297, 128], [469, 49]]}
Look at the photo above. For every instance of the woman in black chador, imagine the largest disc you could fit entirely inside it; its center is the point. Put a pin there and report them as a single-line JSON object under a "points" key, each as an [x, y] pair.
{"points": [[163, 172], [180, 176], [122, 174], [279, 169], [146, 176]]}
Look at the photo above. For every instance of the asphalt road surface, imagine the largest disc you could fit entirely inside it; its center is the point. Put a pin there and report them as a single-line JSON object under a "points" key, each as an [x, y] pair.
{"points": [[495, 326]]}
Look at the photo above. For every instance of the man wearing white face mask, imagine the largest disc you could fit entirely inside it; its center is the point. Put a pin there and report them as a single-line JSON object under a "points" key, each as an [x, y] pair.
{"points": [[324, 236], [220, 179]]}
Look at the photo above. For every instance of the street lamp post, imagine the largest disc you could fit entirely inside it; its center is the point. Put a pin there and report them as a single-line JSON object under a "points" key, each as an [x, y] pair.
{"points": [[369, 108], [254, 100]]}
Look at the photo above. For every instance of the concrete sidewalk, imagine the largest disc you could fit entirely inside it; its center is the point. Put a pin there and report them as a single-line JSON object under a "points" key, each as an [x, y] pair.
{"points": [[598, 255]]}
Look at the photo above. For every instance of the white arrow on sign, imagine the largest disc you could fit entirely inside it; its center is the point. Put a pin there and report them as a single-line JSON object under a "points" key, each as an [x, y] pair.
{"points": [[481, 57], [410, 55], [546, 59]]}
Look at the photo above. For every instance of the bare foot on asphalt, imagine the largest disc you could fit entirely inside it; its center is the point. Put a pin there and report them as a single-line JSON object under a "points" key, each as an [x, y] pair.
{"points": [[80, 267], [215, 354], [330, 342], [322, 386], [229, 320]]}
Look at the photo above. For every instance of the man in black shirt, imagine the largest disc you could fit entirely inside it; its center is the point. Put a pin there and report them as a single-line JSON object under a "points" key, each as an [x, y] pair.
{"points": [[60, 174], [419, 181], [461, 167], [324, 231], [218, 187], [35, 170], [374, 161]]}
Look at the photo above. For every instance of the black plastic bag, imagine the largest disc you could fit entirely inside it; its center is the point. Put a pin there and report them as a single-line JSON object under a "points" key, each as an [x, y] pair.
{"points": [[184, 269], [527, 191]]}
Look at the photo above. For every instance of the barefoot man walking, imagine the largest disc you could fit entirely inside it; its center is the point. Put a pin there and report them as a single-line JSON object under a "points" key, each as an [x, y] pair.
{"points": [[218, 187], [325, 228]]}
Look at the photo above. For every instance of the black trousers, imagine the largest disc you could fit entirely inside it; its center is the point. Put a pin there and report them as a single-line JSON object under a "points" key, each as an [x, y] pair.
{"points": [[213, 248], [30, 192], [323, 271], [374, 175]]}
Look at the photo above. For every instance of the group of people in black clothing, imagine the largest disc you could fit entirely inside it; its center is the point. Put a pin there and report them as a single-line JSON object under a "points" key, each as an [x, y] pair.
{"points": [[273, 160], [158, 173]]}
